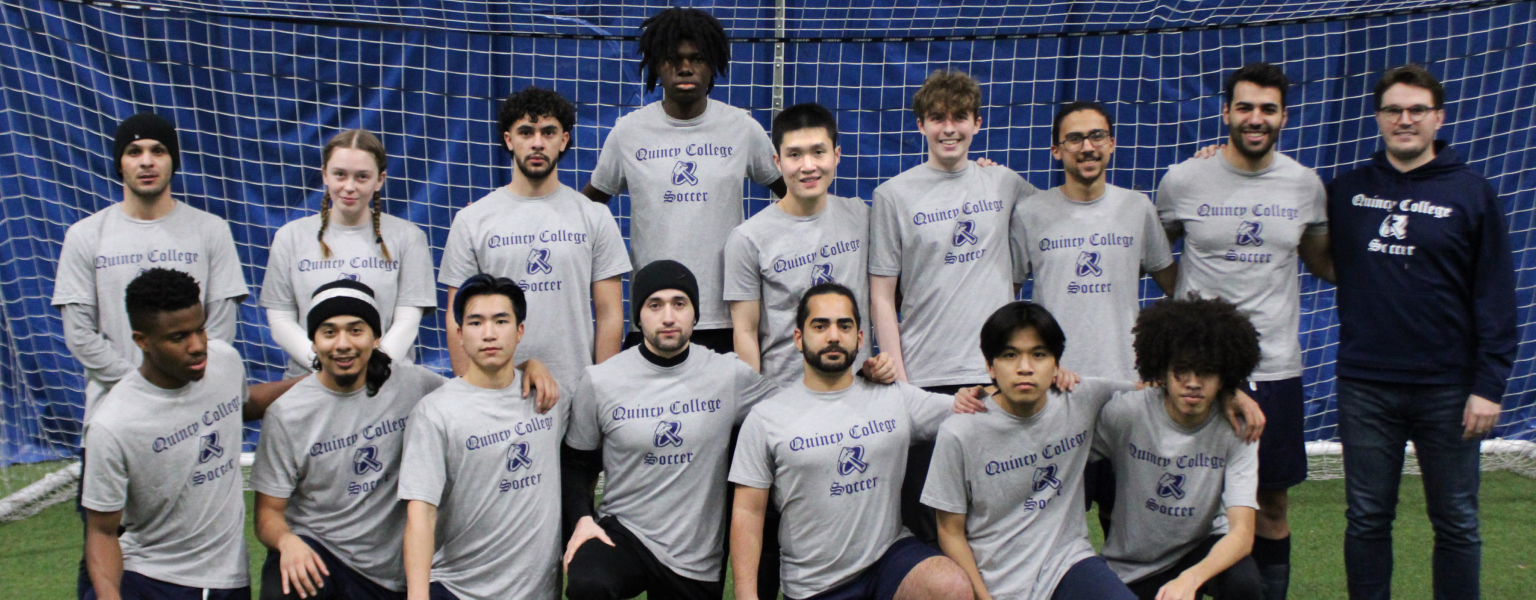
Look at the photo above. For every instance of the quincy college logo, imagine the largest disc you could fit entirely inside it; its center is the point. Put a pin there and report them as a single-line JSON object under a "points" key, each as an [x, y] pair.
{"points": [[965, 233], [349, 277], [1045, 477], [1248, 233], [538, 261], [1171, 486], [821, 273], [517, 456], [209, 448], [851, 460], [667, 434], [1088, 264], [366, 459], [1395, 226], [682, 173]]}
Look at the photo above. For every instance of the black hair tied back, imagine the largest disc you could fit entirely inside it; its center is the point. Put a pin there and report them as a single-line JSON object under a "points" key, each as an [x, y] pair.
{"points": [[378, 371]]}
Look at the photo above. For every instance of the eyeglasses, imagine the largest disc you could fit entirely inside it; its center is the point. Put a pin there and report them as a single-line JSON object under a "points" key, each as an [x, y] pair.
{"points": [[1416, 113], [1074, 140]]}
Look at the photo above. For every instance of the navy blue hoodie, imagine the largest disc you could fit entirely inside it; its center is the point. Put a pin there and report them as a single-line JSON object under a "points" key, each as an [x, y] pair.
{"points": [[1426, 286]]}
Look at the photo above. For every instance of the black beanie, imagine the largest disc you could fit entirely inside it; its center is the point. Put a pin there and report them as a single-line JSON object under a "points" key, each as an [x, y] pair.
{"points": [[344, 297], [657, 276], [145, 126]]}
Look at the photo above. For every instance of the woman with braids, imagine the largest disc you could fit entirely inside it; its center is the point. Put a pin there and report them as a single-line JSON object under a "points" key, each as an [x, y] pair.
{"points": [[352, 238], [1187, 485]]}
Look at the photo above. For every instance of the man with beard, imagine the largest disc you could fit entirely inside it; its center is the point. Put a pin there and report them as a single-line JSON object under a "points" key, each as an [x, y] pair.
{"points": [[661, 415], [328, 461], [480, 473], [682, 160], [1428, 334], [562, 250], [833, 449], [1246, 215], [166, 519]]}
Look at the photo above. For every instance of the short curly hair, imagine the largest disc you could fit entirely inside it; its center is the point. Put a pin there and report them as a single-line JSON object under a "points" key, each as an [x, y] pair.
{"points": [[949, 93], [1200, 335], [157, 291], [534, 103]]}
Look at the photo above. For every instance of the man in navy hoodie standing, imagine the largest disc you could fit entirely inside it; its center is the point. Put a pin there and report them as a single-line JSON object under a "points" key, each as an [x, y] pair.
{"points": [[1426, 334]]}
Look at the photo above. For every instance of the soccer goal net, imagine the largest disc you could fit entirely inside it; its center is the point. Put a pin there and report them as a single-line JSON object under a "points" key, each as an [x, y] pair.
{"points": [[256, 87]]}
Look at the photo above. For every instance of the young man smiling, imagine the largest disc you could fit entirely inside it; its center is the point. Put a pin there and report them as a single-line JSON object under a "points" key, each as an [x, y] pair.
{"points": [[481, 467], [1184, 526], [1246, 216], [682, 160], [1427, 334]]}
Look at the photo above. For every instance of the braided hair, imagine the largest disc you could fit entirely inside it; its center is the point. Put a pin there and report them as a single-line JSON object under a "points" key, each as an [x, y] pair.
{"points": [[662, 32], [356, 139]]}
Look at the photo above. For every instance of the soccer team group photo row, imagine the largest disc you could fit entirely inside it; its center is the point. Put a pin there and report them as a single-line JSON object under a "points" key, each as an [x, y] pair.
{"points": [[746, 426]]}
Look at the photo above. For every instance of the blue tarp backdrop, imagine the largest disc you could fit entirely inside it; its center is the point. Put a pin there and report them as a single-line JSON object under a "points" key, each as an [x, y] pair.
{"points": [[256, 88]]}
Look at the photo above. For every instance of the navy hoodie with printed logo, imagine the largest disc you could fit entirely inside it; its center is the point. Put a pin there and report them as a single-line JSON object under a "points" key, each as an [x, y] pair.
{"points": [[1426, 285]]}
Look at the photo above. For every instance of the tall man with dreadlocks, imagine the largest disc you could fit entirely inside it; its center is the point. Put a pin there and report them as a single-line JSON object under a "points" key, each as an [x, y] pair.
{"points": [[350, 239], [682, 160]]}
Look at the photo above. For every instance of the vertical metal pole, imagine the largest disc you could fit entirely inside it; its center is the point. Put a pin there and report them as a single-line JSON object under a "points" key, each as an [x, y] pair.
{"points": [[778, 58]]}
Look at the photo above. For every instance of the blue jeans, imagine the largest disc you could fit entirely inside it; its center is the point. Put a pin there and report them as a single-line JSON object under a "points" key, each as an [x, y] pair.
{"points": [[1376, 419]]}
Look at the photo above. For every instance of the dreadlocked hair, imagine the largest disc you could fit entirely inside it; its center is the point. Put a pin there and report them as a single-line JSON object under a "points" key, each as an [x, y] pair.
{"points": [[662, 32], [1196, 335], [356, 139]]}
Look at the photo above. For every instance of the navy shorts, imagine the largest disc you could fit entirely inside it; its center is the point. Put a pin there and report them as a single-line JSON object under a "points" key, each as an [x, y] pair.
{"points": [[1091, 579], [343, 582], [1283, 447], [881, 580], [438, 591], [139, 587]]}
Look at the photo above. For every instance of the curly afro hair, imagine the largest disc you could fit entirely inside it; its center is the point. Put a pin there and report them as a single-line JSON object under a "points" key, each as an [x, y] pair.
{"points": [[662, 32], [157, 291], [1200, 335]]}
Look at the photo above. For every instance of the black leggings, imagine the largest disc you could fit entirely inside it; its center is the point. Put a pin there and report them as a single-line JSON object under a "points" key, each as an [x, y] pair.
{"points": [[627, 569]]}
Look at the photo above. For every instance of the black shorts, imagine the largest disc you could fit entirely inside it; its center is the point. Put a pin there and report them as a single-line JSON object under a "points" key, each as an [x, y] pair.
{"points": [[139, 587], [719, 340], [626, 569], [1283, 447], [881, 580], [344, 583], [1241, 581]]}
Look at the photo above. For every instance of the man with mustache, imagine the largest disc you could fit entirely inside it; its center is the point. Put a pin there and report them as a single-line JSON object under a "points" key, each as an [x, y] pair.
{"points": [[682, 160], [1245, 216], [1087, 244], [1427, 334], [833, 449], [165, 514], [328, 462], [564, 251]]}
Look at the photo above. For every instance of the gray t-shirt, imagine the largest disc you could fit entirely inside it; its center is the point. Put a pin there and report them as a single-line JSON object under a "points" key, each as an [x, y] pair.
{"points": [[296, 268], [1241, 231], [554, 247], [1174, 484], [336, 458], [1087, 259], [835, 461], [685, 188], [491, 465], [170, 460], [946, 235], [1019, 484], [774, 258], [664, 432], [104, 252]]}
